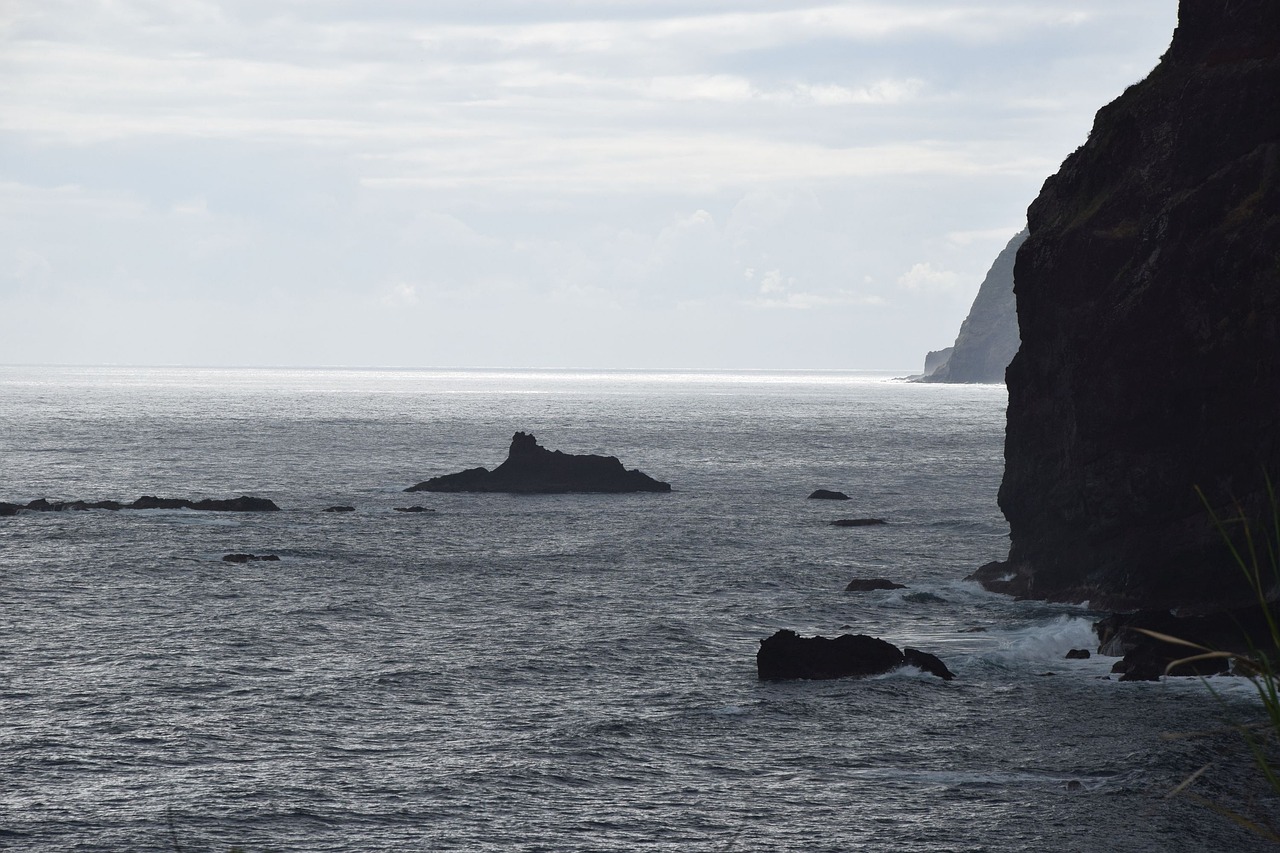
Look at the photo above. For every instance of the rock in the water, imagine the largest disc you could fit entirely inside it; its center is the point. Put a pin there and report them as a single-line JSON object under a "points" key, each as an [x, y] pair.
{"points": [[1078, 654], [46, 505], [828, 495], [250, 558], [857, 522], [240, 504], [1148, 298], [927, 662], [414, 508], [1238, 630], [869, 584], [787, 655], [989, 335], [532, 469], [244, 503], [9, 509], [339, 509]]}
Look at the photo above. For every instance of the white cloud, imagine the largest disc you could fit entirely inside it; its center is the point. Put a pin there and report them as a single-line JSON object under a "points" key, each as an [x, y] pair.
{"points": [[925, 277]]}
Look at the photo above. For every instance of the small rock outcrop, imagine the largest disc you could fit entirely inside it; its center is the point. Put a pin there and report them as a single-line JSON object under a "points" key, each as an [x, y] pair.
{"points": [[828, 495], [244, 503], [250, 558], [988, 337], [339, 509], [857, 522], [1078, 654], [870, 584], [532, 469], [414, 508], [927, 663], [787, 655], [1148, 298]]}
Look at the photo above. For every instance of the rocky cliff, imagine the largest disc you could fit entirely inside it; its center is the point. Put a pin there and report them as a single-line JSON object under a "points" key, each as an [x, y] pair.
{"points": [[1148, 297], [988, 337]]}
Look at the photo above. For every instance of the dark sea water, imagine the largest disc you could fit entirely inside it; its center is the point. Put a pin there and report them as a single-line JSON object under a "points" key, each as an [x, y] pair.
{"points": [[550, 673]]}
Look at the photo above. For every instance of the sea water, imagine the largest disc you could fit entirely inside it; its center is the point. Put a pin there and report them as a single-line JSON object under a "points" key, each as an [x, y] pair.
{"points": [[552, 672]]}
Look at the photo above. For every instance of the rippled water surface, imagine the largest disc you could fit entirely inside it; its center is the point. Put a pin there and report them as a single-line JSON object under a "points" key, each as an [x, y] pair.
{"points": [[558, 673]]}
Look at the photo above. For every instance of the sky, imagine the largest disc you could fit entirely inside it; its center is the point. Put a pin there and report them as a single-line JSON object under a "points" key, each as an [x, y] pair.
{"points": [[530, 183]]}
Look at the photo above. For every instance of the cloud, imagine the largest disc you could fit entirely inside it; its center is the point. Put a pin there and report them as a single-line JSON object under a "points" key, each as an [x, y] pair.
{"points": [[925, 277]]}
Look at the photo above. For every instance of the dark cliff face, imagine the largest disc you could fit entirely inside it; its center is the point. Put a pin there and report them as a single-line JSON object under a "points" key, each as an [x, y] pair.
{"points": [[988, 337], [1148, 297]]}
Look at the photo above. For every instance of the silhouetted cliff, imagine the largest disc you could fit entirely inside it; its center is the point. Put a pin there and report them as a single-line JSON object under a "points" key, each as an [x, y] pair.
{"points": [[989, 335], [1148, 297]]}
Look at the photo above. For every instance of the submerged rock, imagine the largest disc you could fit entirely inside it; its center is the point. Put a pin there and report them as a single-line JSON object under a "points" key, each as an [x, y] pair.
{"points": [[787, 655], [857, 522], [532, 469], [250, 558], [869, 584], [339, 509], [828, 495], [414, 508]]}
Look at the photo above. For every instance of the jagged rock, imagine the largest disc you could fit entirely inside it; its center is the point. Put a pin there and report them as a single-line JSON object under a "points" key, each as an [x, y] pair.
{"points": [[869, 584], [532, 469], [927, 662], [828, 495], [244, 503], [339, 509], [240, 504], [250, 558], [1148, 298], [9, 509], [1078, 654], [1239, 630], [988, 336], [787, 655], [857, 522], [414, 508]]}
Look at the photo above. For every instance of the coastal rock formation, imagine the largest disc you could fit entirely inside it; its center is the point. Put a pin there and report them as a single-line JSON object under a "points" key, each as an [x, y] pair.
{"points": [[828, 495], [988, 337], [1145, 658], [934, 359], [926, 662], [1148, 297], [787, 655], [244, 503], [532, 469], [869, 584]]}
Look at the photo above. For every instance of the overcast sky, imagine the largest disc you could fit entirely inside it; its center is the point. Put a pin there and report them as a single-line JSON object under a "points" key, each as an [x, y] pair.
{"points": [[542, 183]]}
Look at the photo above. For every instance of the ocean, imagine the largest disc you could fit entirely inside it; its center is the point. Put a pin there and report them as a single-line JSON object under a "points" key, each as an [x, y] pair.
{"points": [[552, 672]]}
